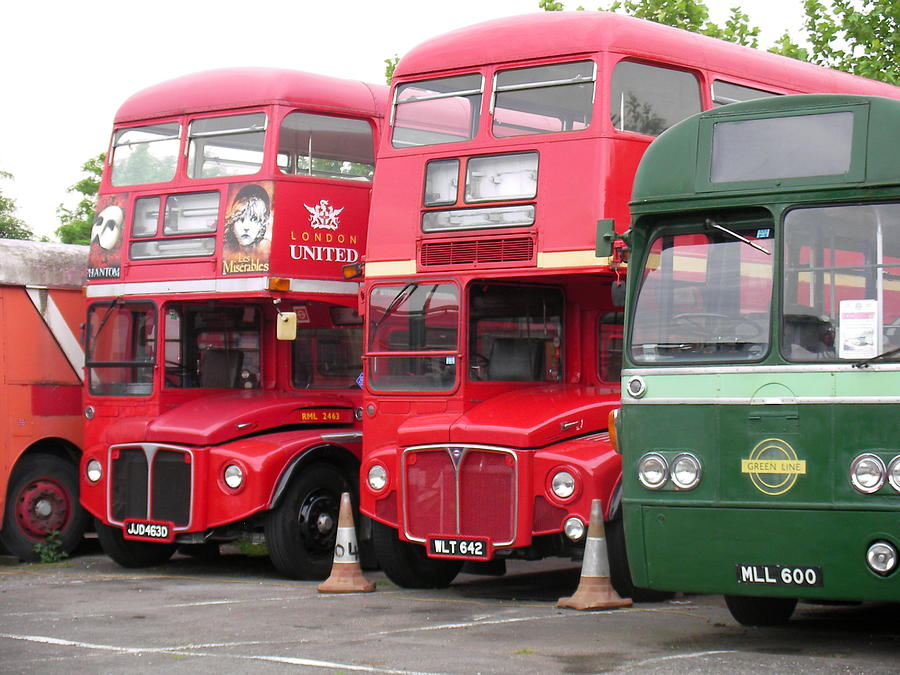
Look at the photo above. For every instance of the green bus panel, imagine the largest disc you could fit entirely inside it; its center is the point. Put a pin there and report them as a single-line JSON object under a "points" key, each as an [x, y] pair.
{"points": [[706, 550]]}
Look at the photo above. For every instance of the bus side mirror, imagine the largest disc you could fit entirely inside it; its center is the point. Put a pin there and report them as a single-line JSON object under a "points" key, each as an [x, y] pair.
{"points": [[606, 235], [286, 326]]}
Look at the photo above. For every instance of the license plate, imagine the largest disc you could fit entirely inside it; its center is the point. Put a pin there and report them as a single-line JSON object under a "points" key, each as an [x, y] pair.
{"points": [[148, 530], [464, 548], [779, 575]]}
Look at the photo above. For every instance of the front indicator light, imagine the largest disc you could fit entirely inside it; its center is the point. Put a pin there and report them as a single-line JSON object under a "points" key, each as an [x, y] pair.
{"points": [[574, 528], [867, 473], [233, 476], [653, 471], [377, 478], [882, 557], [94, 471], [685, 471], [563, 484]]}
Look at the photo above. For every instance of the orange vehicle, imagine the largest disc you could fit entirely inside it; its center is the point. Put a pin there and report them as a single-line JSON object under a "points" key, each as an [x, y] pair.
{"points": [[41, 365]]}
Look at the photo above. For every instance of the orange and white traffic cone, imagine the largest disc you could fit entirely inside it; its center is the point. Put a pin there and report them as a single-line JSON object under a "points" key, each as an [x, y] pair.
{"points": [[595, 590], [346, 572]]}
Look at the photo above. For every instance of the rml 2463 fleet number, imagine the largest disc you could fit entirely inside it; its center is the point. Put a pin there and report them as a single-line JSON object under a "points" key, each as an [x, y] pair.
{"points": [[778, 575]]}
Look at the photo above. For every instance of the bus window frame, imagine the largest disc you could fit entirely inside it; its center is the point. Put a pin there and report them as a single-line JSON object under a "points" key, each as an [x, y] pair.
{"points": [[191, 157], [856, 172], [697, 75]]}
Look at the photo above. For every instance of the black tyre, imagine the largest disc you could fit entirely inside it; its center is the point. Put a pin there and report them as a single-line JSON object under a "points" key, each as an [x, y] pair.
{"points": [[407, 565], [302, 528], [42, 497], [620, 574], [129, 553], [753, 611]]}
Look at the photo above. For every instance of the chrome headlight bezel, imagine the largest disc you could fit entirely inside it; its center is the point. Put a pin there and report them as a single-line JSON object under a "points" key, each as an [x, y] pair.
{"points": [[876, 469], [377, 477], [693, 466], [893, 473], [233, 476], [563, 484], [662, 467], [93, 471]]}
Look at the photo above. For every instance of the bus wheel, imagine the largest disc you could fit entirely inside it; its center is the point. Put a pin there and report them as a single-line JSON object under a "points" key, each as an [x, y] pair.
{"points": [[130, 553], [301, 530], [42, 498], [620, 576], [753, 611], [407, 565]]}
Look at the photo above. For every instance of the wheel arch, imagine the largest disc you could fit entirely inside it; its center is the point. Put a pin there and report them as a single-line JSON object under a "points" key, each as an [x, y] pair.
{"points": [[56, 446], [328, 453]]}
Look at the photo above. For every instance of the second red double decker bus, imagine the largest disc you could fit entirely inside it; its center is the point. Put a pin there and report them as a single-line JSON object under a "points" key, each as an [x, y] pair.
{"points": [[223, 345], [493, 344]]}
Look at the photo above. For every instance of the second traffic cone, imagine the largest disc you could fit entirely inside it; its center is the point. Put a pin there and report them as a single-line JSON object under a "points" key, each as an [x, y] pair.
{"points": [[595, 590], [346, 572]]}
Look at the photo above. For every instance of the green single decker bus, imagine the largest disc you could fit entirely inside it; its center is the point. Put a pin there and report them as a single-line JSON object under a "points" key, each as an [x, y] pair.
{"points": [[760, 418]]}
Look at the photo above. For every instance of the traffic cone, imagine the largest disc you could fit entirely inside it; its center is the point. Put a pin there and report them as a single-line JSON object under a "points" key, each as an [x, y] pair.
{"points": [[594, 588], [346, 572]]}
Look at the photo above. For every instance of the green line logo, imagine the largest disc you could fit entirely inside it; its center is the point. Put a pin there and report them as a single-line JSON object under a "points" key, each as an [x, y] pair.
{"points": [[773, 466]]}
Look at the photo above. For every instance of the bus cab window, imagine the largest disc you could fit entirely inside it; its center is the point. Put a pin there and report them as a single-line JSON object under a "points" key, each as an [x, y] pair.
{"points": [[515, 334]]}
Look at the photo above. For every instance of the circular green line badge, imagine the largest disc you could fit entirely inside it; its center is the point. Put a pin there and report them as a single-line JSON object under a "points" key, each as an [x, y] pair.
{"points": [[773, 466]]}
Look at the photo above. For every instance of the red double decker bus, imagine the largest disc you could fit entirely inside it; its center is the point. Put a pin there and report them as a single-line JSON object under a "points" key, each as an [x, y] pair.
{"points": [[493, 342], [222, 342]]}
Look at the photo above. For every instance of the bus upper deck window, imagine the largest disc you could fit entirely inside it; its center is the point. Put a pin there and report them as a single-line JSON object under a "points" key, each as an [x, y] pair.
{"points": [[543, 99], [432, 112], [328, 147], [226, 146], [724, 93], [147, 154], [648, 100]]}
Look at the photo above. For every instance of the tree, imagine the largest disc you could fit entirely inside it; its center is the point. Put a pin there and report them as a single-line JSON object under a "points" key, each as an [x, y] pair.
{"points": [[860, 37], [389, 66], [75, 227], [11, 227]]}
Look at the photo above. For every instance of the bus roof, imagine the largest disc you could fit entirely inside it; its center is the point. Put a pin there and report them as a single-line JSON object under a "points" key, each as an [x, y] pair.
{"points": [[554, 34], [231, 88], [676, 166]]}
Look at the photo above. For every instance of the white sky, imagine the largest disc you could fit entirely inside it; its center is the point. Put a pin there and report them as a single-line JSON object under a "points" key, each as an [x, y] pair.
{"points": [[66, 67]]}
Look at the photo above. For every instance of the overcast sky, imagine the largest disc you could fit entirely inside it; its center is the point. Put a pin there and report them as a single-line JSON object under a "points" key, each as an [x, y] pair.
{"points": [[66, 67]]}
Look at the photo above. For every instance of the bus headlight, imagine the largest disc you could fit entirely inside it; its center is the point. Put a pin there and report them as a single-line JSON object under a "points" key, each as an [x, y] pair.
{"points": [[233, 476], [653, 471], [881, 557], [563, 484], [94, 471], [867, 473], [377, 478], [574, 528], [685, 471], [893, 473]]}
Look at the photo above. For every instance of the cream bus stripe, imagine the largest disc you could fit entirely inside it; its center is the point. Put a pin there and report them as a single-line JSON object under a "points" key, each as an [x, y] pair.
{"points": [[237, 285], [558, 259], [60, 330], [390, 268]]}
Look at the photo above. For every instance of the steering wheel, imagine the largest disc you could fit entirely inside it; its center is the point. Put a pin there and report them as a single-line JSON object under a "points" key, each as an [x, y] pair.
{"points": [[704, 324]]}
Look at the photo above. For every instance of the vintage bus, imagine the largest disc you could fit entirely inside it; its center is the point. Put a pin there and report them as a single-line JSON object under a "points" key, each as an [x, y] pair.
{"points": [[41, 366], [493, 345], [223, 342], [758, 427]]}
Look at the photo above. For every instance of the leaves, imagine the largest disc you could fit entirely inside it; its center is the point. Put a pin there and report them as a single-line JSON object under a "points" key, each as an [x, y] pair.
{"points": [[11, 226], [75, 224]]}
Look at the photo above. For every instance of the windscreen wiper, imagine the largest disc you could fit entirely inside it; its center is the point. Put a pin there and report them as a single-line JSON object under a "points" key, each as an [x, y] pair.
{"points": [[402, 294], [715, 225], [865, 362]]}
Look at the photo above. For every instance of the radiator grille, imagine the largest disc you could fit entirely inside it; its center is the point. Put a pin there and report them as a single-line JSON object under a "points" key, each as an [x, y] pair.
{"points": [[474, 251], [474, 496], [168, 477]]}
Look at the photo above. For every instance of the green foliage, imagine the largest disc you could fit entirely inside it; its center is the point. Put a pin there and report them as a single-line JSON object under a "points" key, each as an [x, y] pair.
{"points": [[75, 224], [50, 550], [861, 37], [11, 226], [389, 66]]}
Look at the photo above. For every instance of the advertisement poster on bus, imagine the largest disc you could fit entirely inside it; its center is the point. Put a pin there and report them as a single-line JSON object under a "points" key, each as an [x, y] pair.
{"points": [[105, 257], [248, 229], [859, 329]]}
